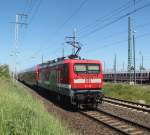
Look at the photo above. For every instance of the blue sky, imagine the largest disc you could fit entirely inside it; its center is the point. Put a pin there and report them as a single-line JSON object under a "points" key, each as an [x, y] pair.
{"points": [[45, 32]]}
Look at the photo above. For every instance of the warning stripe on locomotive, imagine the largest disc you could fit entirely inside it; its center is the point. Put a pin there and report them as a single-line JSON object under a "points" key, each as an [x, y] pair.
{"points": [[87, 80]]}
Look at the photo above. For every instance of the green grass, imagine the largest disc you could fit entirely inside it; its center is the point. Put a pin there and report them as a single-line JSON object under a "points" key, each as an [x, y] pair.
{"points": [[128, 92], [20, 114]]}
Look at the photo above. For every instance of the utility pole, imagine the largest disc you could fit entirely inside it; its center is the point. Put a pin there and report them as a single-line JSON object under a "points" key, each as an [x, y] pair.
{"points": [[142, 69], [115, 68], [129, 48], [42, 59], [142, 66], [104, 66], [141, 61], [134, 57], [123, 66], [21, 19]]}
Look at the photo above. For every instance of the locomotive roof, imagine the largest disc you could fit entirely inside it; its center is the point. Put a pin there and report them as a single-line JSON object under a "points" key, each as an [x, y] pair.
{"points": [[81, 61], [53, 62]]}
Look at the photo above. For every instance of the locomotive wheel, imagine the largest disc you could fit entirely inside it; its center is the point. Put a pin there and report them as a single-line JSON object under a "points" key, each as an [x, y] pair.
{"points": [[75, 108], [94, 106], [59, 98]]}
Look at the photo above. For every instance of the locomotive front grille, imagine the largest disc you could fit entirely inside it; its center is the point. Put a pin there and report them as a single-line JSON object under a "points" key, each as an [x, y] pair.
{"points": [[88, 96]]}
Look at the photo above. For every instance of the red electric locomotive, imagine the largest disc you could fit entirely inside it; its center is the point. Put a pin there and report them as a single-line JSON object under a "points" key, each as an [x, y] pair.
{"points": [[72, 79], [78, 81]]}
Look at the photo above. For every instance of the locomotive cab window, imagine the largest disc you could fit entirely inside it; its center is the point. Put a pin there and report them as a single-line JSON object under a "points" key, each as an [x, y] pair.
{"points": [[93, 68], [86, 68], [80, 68]]}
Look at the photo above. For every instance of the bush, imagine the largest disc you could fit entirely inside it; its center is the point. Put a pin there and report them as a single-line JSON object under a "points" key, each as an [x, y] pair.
{"points": [[128, 92], [4, 71]]}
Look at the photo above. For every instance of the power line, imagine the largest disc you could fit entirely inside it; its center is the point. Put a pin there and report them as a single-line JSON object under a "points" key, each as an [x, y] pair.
{"points": [[35, 11], [108, 16], [105, 17], [81, 6], [120, 41], [116, 20], [29, 7], [74, 13], [124, 31], [26, 6], [67, 20], [114, 43]]}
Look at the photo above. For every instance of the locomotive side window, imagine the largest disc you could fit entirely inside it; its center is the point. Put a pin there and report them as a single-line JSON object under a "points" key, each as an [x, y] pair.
{"points": [[65, 73]]}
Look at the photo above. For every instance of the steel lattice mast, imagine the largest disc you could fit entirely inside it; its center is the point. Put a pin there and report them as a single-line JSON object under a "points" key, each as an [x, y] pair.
{"points": [[129, 47]]}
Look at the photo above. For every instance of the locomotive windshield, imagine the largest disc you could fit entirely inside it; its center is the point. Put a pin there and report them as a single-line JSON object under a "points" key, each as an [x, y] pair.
{"points": [[87, 68]]}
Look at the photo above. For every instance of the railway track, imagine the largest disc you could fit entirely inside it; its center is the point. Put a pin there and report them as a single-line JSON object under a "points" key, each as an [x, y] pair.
{"points": [[117, 123], [128, 104]]}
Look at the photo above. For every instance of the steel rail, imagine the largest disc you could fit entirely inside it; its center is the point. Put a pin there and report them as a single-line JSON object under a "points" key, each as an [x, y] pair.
{"points": [[121, 125], [129, 104]]}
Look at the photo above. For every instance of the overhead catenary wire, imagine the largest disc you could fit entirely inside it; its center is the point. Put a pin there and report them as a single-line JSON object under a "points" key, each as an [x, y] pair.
{"points": [[105, 17], [107, 45], [25, 8], [116, 20], [73, 14], [65, 24], [124, 31], [108, 16], [35, 11], [31, 10], [66, 21], [31, 6], [120, 41]]}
